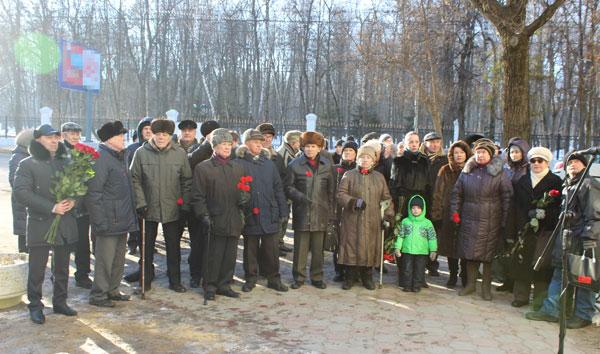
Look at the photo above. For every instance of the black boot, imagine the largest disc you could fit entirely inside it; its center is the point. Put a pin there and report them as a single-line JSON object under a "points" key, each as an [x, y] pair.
{"points": [[366, 275], [486, 286], [453, 266], [349, 275], [471, 279]]}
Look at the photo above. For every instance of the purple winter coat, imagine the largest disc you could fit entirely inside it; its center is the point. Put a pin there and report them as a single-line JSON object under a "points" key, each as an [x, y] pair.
{"points": [[481, 196]]}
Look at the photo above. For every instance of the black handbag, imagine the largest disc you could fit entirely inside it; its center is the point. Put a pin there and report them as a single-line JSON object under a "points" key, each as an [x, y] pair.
{"points": [[584, 271]]}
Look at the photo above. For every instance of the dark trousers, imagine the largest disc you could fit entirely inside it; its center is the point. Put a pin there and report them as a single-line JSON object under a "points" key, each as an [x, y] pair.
{"points": [[540, 280], [222, 253], [172, 235], [109, 265], [82, 249], [265, 247], [22, 243], [283, 231], [134, 239], [38, 259], [453, 264], [305, 241], [432, 266], [413, 270], [197, 246]]}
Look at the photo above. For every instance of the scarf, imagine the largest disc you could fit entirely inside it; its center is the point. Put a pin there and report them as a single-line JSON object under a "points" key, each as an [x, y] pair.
{"points": [[537, 177], [314, 164], [220, 160]]}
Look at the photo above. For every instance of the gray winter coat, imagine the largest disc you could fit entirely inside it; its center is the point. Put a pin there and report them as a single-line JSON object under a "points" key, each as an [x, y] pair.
{"points": [[31, 187], [160, 178], [312, 194], [18, 209], [268, 204], [110, 199], [482, 198]]}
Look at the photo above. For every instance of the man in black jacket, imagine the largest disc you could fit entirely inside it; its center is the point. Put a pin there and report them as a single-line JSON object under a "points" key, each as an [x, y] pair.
{"points": [[71, 134], [217, 202], [110, 202], [204, 151], [32, 188], [268, 206]]}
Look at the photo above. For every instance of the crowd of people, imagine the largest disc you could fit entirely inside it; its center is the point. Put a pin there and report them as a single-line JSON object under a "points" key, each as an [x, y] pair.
{"points": [[478, 205]]}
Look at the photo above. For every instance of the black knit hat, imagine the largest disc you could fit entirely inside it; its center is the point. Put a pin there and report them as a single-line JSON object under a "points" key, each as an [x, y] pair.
{"points": [[162, 126], [110, 129], [574, 155], [339, 143], [350, 145], [418, 201], [208, 127], [266, 128]]}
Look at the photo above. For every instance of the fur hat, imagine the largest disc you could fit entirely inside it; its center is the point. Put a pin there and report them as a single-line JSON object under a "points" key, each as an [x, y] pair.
{"points": [[187, 124], [376, 145], [369, 136], [110, 129], [24, 138], [541, 152], [350, 145], [208, 127], [162, 126], [487, 145], [472, 138], [266, 128], [367, 150], [292, 136], [252, 134], [221, 135], [312, 138]]}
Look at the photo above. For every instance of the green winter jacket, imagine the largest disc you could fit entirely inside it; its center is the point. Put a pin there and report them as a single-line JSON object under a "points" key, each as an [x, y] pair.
{"points": [[416, 235]]}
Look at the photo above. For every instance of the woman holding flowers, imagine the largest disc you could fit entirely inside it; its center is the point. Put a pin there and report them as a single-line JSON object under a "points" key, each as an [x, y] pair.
{"points": [[537, 206], [50, 222]]}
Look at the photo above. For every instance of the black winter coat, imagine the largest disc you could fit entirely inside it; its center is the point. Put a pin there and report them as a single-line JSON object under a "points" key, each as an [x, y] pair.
{"points": [[312, 194], [524, 195], [202, 153], [268, 204], [481, 196], [18, 210], [215, 193], [31, 187], [110, 199], [585, 224], [409, 176]]}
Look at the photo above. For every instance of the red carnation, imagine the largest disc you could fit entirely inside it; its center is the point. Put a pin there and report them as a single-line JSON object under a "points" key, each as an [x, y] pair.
{"points": [[246, 188], [364, 171], [243, 180], [308, 174], [255, 211], [179, 201], [554, 193], [249, 179], [456, 218], [340, 170]]}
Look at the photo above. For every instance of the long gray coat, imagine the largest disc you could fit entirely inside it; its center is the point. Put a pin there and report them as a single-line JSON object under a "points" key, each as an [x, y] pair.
{"points": [[32, 189], [482, 197]]}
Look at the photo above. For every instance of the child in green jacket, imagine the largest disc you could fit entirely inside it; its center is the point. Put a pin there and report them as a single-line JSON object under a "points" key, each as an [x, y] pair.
{"points": [[415, 241]]}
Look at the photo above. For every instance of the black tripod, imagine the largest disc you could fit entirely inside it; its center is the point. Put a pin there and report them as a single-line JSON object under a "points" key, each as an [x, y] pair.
{"points": [[563, 228]]}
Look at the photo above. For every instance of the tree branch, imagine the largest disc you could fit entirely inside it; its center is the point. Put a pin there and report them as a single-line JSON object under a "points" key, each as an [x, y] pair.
{"points": [[543, 18]]}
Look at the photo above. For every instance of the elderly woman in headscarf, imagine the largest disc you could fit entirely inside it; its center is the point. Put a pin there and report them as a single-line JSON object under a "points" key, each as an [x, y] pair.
{"points": [[536, 185], [480, 203], [458, 154]]}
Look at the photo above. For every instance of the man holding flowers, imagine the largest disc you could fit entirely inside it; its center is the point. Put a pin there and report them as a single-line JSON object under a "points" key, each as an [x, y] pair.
{"points": [[33, 187]]}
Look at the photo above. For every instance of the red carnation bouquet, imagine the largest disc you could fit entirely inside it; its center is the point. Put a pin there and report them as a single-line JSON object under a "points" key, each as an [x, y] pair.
{"points": [[534, 224], [244, 187], [71, 182]]}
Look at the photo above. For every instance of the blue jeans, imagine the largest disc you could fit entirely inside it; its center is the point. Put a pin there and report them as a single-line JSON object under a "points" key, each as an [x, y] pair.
{"points": [[584, 299]]}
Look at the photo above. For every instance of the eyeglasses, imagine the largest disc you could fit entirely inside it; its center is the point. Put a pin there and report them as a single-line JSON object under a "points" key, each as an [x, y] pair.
{"points": [[535, 160]]}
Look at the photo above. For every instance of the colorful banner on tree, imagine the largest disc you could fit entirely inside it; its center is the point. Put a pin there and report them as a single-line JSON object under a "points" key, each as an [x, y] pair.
{"points": [[79, 67]]}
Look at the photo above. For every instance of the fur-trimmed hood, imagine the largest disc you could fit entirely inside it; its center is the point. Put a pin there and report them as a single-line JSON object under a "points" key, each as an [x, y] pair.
{"points": [[494, 167], [39, 152], [241, 151]]}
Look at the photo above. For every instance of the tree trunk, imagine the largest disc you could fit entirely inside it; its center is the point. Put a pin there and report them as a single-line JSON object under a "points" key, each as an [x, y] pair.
{"points": [[515, 63]]}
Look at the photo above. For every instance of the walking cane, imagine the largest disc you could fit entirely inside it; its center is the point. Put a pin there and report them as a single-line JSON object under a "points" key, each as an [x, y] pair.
{"points": [[143, 259], [383, 206]]}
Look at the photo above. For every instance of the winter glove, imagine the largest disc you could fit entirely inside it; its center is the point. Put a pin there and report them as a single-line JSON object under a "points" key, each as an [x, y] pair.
{"points": [[589, 244], [205, 221], [360, 204], [432, 256], [539, 214], [397, 253], [456, 218], [141, 212]]}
